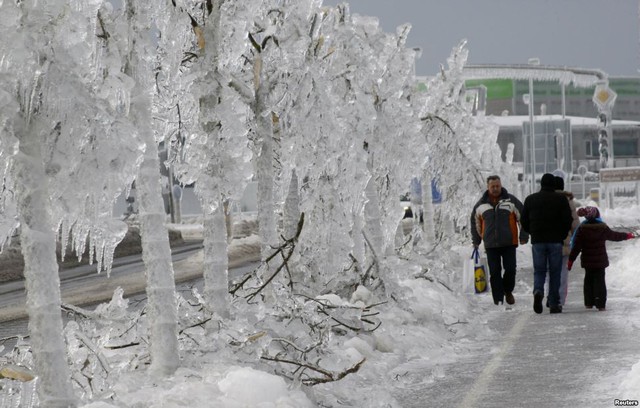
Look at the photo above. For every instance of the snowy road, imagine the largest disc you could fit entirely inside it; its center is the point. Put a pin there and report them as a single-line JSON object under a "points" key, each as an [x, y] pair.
{"points": [[82, 284], [94, 288], [570, 359]]}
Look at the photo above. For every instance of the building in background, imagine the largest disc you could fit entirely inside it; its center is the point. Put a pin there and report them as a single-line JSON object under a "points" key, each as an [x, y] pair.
{"points": [[505, 100]]}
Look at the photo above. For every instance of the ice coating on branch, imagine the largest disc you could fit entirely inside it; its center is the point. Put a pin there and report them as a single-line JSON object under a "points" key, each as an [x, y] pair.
{"points": [[215, 152], [218, 160], [89, 151], [76, 152], [8, 211], [462, 147], [102, 234]]}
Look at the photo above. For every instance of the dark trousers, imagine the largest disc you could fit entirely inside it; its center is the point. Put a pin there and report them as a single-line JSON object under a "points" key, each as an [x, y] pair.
{"points": [[595, 288], [499, 258]]}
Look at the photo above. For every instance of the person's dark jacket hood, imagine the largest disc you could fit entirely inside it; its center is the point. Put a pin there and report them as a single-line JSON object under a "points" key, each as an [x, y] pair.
{"points": [[547, 182], [546, 214]]}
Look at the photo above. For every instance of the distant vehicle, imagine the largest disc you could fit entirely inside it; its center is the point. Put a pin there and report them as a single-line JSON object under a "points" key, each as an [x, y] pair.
{"points": [[405, 199], [405, 203]]}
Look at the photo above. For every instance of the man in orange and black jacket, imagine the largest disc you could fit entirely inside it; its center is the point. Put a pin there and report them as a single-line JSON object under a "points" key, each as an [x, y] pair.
{"points": [[495, 219]]}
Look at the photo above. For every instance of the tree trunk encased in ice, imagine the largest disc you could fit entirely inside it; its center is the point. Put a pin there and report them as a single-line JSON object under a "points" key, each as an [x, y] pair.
{"points": [[291, 210], [216, 244], [216, 262], [38, 241], [373, 224], [217, 160], [156, 251], [266, 179]]}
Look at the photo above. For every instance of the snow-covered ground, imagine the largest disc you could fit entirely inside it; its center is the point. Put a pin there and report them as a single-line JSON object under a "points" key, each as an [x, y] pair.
{"points": [[431, 326], [427, 324]]}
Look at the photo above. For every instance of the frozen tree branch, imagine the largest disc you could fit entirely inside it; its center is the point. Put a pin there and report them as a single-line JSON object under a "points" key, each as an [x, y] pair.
{"points": [[289, 247], [94, 349], [325, 306], [198, 324], [289, 343], [328, 376], [87, 314], [424, 275], [375, 263], [123, 346], [242, 89]]}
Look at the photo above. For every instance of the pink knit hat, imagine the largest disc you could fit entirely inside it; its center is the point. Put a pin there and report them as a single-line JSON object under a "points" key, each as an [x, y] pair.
{"points": [[589, 213]]}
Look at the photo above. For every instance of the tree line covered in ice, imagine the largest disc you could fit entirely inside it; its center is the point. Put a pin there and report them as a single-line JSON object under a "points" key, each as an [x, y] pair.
{"points": [[320, 107]]}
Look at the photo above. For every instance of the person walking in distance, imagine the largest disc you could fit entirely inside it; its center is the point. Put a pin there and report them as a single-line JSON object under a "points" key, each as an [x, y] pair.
{"points": [[566, 245], [547, 217], [589, 239], [495, 219]]}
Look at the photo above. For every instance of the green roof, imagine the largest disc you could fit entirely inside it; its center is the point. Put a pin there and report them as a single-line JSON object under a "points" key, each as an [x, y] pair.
{"points": [[506, 88], [496, 88]]}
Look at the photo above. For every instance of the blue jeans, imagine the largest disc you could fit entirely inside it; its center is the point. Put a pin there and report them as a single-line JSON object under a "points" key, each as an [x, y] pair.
{"points": [[547, 257], [564, 280]]}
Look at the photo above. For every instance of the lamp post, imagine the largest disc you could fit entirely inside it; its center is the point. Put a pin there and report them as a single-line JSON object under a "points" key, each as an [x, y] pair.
{"points": [[533, 62], [604, 98]]}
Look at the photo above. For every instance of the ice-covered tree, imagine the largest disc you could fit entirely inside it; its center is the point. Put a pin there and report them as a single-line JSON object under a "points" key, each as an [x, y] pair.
{"points": [[395, 146], [279, 39], [156, 251], [321, 143], [377, 83], [68, 152], [351, 104], [214, 151], [462, 148], [265, 68]]}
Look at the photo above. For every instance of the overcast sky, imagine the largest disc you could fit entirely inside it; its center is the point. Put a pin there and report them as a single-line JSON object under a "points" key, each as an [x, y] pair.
{"points": [[599, 34]]}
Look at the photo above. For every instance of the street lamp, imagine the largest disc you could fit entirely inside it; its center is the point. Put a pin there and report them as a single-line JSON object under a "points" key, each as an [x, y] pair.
{"points": [[604, 98], [533, 62]]}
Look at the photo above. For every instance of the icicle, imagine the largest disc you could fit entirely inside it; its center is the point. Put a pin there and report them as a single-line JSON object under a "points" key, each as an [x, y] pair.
{"points": [[106, 239], [65, 231]]}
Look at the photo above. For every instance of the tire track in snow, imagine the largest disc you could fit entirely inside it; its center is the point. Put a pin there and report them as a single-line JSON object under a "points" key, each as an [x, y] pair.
{"points": [[480, 385]]}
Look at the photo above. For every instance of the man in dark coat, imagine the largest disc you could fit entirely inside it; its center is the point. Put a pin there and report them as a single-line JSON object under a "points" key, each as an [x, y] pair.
{"points": [[495, 219], [547, 217]]}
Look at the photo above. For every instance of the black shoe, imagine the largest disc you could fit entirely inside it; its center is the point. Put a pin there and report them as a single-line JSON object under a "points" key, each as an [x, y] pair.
{"points": [[555, 309], [537, 302], [509, 298]]}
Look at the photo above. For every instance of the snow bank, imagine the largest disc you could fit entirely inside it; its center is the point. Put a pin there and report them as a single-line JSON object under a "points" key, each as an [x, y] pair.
{"points": [[236, 387]]}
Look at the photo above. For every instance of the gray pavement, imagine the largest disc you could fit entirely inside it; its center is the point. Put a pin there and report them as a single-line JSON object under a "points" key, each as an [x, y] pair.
{"points": [[82, 285], [571, 359]]}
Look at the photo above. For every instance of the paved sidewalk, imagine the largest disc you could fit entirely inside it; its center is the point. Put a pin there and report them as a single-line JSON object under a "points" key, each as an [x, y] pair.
{"points": [[564, 360]]}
